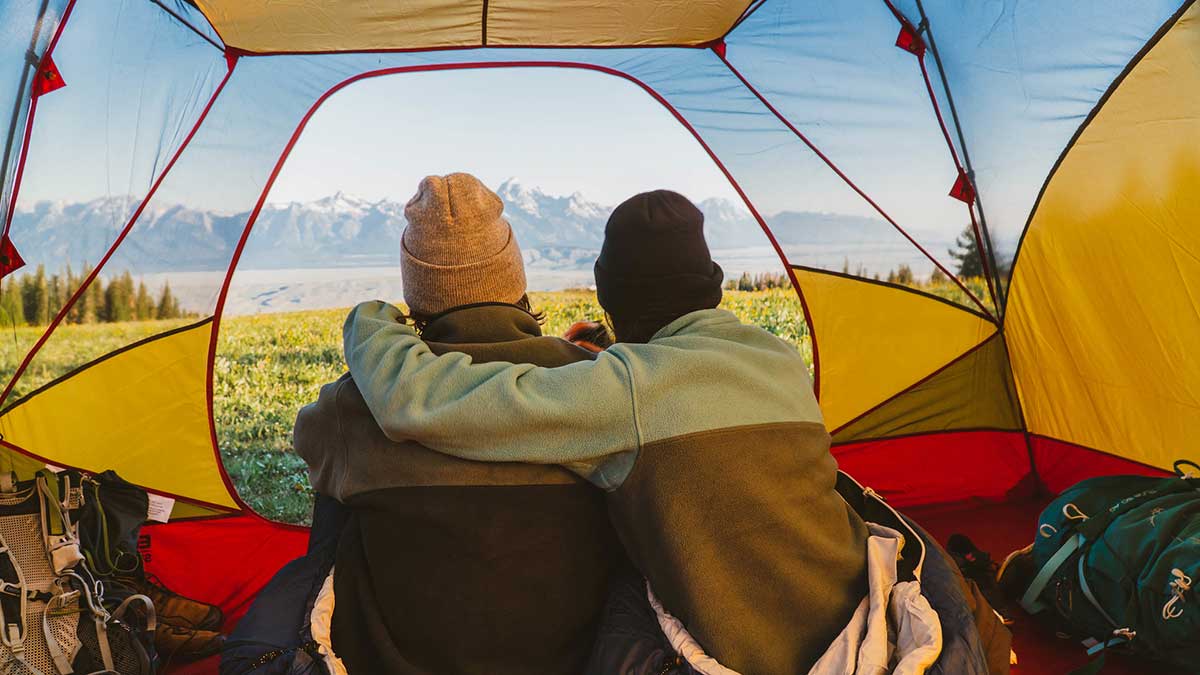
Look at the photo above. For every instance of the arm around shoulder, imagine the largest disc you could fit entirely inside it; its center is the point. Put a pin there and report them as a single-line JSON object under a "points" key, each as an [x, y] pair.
{"points": [[493, 411]]}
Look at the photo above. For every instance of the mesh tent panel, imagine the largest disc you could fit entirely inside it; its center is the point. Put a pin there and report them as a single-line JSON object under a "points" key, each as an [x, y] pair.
{"points": [[1024, 76]]}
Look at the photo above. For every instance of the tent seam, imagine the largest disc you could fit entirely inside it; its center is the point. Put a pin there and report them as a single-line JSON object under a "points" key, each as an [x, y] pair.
{"points": [[916, 384], [191, 500], [58, 319], [916, 434], [116, 352], [28, 131], [189, 25], [751, 8], [907, 289], [846, 179], [1095, 111]]}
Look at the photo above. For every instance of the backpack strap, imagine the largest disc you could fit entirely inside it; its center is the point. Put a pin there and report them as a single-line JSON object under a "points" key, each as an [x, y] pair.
{"points": [[147, 604], [61, 662], [12, 635], [100, 616], [1090, 528], [1031, 601], [62, 545]]}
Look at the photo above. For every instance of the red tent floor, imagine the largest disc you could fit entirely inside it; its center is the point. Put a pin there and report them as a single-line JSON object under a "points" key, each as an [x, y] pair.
{"points": [[997, 529], [1000, 529]]}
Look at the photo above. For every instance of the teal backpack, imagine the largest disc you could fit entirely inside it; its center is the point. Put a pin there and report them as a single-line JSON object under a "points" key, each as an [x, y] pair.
{"points": [[1117, 559]]}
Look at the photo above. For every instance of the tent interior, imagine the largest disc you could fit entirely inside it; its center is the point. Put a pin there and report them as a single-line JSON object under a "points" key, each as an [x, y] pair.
{"points": [[1062, 138]]}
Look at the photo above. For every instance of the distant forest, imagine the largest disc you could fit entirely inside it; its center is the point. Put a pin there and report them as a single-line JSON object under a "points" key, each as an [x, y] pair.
{"points": [[33, 299]]}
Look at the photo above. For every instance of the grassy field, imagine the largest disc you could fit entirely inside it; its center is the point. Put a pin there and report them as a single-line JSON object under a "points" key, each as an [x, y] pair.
{"points": [[270, 365]]}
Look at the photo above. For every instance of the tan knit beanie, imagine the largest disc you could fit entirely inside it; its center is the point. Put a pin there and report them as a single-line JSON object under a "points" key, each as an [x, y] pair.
{"points": [[457, 249]]}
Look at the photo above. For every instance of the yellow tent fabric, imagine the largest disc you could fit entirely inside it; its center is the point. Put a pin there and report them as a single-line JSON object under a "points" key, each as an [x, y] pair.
{"points": [[874, 340], [329, 25], [1103, 308], [142, 411]]}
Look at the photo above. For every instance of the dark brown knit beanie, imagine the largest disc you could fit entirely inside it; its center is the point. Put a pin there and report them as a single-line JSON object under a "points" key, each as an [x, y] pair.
{"points": [[655, 263]]}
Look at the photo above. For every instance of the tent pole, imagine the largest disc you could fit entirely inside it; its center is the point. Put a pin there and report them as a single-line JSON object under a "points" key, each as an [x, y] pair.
{"points": [[30, 64], [1000, 290]]}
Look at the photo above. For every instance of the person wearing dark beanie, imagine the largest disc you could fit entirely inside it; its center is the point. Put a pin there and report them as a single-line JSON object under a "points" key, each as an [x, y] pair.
{"points": [[704, 433], [654, 265]]}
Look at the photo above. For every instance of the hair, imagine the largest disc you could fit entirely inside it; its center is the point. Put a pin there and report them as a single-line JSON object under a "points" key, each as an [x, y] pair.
{"points": [[420, 320], [591, 332]]}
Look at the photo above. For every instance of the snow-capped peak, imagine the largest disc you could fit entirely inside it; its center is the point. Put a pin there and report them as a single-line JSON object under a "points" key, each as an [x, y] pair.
{"points": [[342, 203], [513, 192]]}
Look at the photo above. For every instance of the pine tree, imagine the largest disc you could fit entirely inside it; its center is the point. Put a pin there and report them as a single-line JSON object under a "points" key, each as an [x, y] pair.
{"points": [[91, 301], [938, 277], [72, 283], [10, 301], [58, 293], [902, 275], [966, 252], [34, 297], [143, 305], [168, 306], [118, 299]]}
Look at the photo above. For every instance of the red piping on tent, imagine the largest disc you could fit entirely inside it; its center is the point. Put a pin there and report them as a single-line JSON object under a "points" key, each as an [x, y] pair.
{"points": [[483, 65], [918, 383], [897, 287], [62, 313], [964, 176], [458, 48], [852, 185], [33, 99]]}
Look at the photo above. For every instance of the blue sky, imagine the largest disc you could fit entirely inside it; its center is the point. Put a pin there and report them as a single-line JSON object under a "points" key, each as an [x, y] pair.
{"points": [[563, 130]]}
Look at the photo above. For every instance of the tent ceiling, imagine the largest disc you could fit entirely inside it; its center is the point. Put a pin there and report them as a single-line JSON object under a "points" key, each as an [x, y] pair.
{"points": [[364, 25]]}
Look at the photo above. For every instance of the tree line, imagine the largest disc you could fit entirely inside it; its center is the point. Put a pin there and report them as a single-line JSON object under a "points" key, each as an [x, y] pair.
{"points": [[33, 299]]}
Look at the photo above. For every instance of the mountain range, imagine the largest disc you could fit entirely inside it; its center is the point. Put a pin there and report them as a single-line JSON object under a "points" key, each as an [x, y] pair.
{"points": [[341, 230]]}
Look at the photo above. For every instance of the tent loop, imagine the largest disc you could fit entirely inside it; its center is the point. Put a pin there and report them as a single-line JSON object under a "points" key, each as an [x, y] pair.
{"points": [[853, 186], [916, 40]]}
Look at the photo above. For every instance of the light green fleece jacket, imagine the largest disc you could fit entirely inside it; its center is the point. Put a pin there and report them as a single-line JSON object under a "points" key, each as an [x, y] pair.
{"points": [[704, 371]]}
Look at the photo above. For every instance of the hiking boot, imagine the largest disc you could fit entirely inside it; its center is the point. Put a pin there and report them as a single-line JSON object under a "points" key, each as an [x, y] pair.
{"points": [[177, 643], [1016, 573], [175, 609], [977, 565]]}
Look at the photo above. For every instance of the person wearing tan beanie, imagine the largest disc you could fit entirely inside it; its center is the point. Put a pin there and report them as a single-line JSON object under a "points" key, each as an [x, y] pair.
{"points": [[457, 249], [447, 565]]}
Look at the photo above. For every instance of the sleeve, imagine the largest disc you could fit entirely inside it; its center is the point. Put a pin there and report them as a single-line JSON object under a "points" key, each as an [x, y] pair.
{"points": [[317, 438], [488, 411]]}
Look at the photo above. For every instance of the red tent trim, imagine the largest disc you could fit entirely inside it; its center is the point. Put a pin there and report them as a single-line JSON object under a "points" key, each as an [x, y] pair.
{"points": [[846, 179], [33, 99], [221, 298], [62, 313]]}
